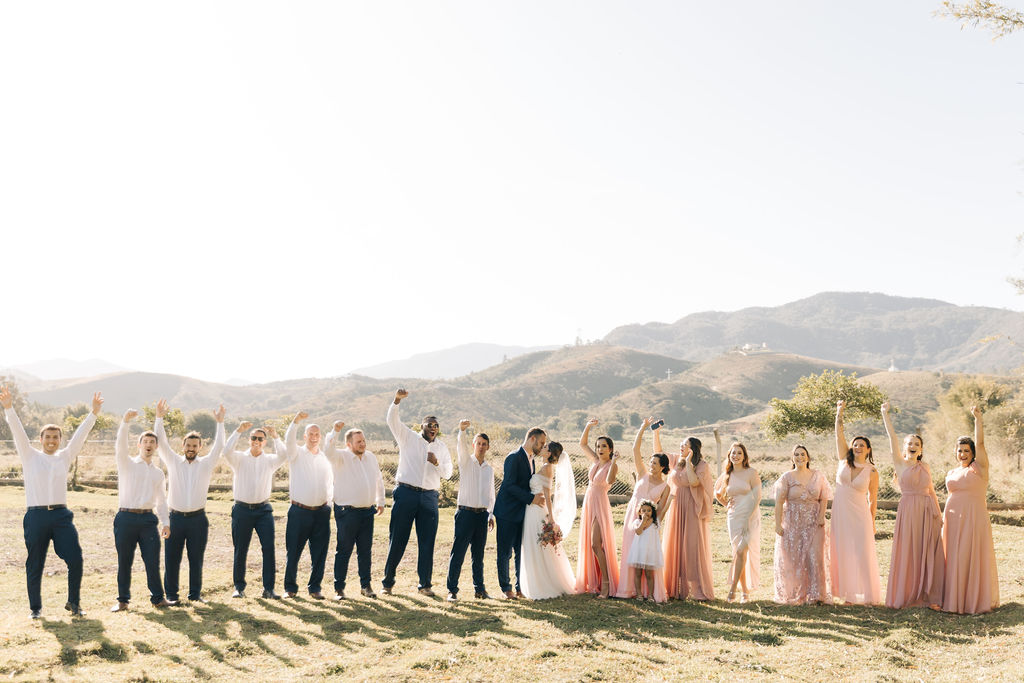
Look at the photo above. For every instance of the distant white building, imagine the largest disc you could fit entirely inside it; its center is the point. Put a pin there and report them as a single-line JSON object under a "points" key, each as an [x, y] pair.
{"points": [[892, 365]]}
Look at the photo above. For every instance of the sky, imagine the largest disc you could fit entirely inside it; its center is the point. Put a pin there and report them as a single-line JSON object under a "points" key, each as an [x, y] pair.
{"points": [[276, 190]]}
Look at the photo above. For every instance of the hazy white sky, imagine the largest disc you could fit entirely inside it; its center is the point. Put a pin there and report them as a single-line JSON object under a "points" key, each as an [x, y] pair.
{"points": [[274, 190]]}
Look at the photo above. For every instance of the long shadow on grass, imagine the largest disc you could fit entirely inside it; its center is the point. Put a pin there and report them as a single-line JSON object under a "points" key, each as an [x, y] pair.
{"points": [[81, 638]]}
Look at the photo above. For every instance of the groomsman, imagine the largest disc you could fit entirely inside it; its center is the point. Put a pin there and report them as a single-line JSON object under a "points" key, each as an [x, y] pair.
{"points": [[188, 488], [309, 517], [475, 516], [252, 483], [422, 461], [47, 516], [358, 496], [140, 488]]}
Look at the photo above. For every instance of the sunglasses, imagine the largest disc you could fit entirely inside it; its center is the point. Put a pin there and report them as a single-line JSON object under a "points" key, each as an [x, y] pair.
{"points": [[431, 424], [257, 438]]}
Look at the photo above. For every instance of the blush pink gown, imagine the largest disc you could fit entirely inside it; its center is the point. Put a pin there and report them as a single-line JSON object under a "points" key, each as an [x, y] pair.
{"points": [[686, 535], [800, 559], [972, 584], [854, 561], [597, 510], [643, 490], [917, 564]]}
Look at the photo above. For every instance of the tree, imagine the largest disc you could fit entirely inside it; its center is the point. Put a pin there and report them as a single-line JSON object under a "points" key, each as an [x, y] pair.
{"points": [[1000, 20], [204, 423], [174, 420], [813, 406], [75, 415], [19, 404]]}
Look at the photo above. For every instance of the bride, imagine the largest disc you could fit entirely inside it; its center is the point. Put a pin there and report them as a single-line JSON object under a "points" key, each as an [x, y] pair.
{"points": [[545, 569]]}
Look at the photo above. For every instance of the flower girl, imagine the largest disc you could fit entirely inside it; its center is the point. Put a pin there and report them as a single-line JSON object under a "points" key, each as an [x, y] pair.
{"points": [[645, 551]]}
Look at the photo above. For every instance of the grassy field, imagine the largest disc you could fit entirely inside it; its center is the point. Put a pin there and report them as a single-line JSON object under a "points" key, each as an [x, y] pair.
{"points": [[408, 637]]}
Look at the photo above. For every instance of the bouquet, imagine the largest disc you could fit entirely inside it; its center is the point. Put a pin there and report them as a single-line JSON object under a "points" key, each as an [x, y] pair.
{"points": [[549, 534]]}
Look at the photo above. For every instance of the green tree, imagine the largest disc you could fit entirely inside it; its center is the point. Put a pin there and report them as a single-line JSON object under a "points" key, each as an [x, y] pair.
{"points": [[74, 415], [174, 420], [953, 417], [813, 406], [204, 423]]}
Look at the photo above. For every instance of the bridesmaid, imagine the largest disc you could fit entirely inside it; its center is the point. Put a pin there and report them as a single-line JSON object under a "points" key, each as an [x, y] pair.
{"points": [[972, 585], [917, 565], [801, 496], [650, 485], [686, 539], [739, 489], [597, 570], [854, 560]]}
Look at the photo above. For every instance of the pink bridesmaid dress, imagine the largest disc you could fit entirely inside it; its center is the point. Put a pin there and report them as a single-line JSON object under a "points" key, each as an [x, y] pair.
{"points": [[644, 489], [854, 560], [800, 560], [686, 534], [597, 510], [917, 564], [972, 584]]}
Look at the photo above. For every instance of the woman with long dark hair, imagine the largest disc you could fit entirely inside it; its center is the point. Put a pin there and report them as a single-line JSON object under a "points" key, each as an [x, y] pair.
{"points": [[854, 560], [801, 497], [739, 490], [917, 564], [597, 568], [972, 583], [686, 538], [651, 485]]}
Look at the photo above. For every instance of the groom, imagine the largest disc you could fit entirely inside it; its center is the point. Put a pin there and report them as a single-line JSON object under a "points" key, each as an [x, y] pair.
{"points": [[510, 505]]}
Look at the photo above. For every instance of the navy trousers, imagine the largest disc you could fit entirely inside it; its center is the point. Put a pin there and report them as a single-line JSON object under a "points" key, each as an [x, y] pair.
{"points": [[245, 520], [355, 528], [42, 526], [412, 507], [509, 539], [306, 526], [470, 532], [187, 532], [133, 529]]}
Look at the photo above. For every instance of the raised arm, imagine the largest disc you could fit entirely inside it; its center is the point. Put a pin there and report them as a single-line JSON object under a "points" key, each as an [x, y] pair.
{"points": [[898, 463], [218, 441], [291, 446], [230, 454], [163, 446], [980, 455], [841, 445], [21, 442], [638, 458], [585, 440], [331, 451], [77, 440], [121, 446], [400, 431], [460, 445]]}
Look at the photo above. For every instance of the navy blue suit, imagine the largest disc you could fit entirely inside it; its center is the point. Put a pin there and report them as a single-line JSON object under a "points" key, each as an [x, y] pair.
{"points": [[509, 509]]}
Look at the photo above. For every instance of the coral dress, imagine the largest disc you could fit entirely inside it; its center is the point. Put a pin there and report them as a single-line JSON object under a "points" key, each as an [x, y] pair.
{"points": [[743, 519], [800, 559], [686, 535], [854, 560], [917, 564], [644, 489], [972, 584], [597, 510]]}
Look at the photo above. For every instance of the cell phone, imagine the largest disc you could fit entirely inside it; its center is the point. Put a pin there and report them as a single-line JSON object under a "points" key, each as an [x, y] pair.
{"points": [[657, 425]]}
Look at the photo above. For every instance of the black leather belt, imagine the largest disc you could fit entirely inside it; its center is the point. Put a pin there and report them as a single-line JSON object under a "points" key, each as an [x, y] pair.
{"points": [[58, 506], [414, 488], [314, 508], [469, 509], [190, 513], [354, 507], [251, 506]]}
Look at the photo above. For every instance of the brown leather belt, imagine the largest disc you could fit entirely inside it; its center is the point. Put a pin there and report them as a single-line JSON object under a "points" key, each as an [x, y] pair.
{"points": [[190, 513], [314, 508], [469, 509], [414, 488], [135, 511]]}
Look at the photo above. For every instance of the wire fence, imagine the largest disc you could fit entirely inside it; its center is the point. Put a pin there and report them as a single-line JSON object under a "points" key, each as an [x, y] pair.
{"points": [[95, 466]]}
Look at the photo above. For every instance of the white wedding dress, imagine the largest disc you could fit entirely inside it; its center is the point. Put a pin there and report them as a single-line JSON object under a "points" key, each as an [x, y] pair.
{"points": [[544, 570]]}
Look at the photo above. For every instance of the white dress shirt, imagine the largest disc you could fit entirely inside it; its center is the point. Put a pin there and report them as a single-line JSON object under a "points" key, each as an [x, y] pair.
{"points": [[476, 479], [310, 478], [254, 475], [46, 476], [413, 468], [140, 484], [188, 482], [357, 480]]}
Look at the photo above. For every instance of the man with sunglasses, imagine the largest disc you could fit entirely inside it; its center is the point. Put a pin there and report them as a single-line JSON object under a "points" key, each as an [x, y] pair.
{"points": [[47, 516], [251, 486], [422, 461]]}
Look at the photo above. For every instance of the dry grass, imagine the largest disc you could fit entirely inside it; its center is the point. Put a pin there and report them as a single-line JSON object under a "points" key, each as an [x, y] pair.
{"points": [[409, 637]]}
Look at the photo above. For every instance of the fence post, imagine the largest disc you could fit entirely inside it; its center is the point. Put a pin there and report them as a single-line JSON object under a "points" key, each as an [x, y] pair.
{"points": [[718, 453]]}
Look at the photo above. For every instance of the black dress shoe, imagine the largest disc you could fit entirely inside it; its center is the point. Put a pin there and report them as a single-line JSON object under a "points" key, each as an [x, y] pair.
{"points": [[270, 595], [316, 595], [75, 610], [36, 614], [368, 593], [481, 595]]}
